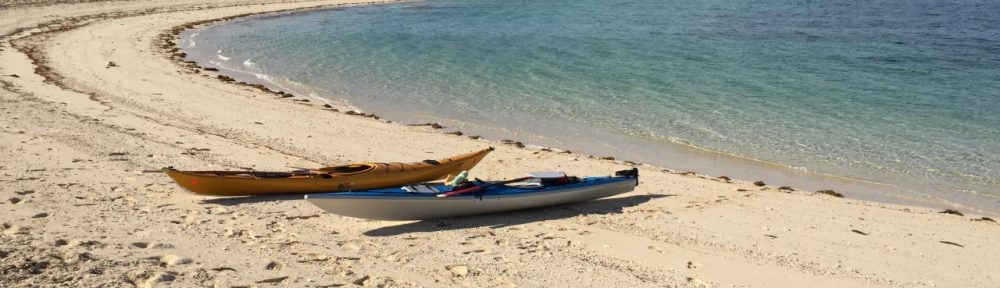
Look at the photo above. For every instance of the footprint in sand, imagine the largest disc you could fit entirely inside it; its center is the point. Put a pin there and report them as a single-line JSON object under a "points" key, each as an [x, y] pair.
{"points": [[218, 211], [172, 260], [363, 281], [346, 262], [341, 272], [349, 245], [696, 282], [274, 265], [398, 257], [14, 229], [86, 243], [73, 257], [501, 281], [275, 226], [244, 235], [158, 245], [458, 270], [159, 277], [657, 249], [144, 245]]}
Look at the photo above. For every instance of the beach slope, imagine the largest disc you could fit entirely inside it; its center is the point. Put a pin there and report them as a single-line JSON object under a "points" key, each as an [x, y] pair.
{"points": [[94, 102]]}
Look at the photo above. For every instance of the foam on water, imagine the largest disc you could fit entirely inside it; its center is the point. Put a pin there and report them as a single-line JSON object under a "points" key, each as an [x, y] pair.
{"points": [[190, 40], [219, 55], [880, 99]]}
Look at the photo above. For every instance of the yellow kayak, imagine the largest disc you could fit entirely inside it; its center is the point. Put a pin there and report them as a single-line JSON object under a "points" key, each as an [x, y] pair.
{"points": [[351, 177]]}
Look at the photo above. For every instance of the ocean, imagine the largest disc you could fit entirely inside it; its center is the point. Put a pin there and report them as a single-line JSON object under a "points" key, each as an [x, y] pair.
{"points": [[893, 101]]}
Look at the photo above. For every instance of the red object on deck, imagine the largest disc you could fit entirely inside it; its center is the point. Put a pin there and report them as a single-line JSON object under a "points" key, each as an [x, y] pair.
{"points": [[460, 192]]}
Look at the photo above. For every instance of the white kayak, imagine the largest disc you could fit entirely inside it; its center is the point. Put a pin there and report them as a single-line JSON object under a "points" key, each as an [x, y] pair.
{"points": [[432, 201]]}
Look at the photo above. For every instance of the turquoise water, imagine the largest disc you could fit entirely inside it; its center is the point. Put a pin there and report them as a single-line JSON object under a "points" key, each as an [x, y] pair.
{"points": [[876, 98]]}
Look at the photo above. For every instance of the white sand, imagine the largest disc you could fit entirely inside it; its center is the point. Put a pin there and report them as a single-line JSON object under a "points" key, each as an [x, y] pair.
{"points": [[78, 211]]}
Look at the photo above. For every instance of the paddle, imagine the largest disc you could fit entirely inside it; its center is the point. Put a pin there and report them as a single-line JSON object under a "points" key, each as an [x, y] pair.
{"points": [[480, 187]]}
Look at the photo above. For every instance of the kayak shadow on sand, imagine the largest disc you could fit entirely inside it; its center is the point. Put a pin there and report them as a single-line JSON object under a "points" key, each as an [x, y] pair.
{"points": [[234, 201], [504, 219]]}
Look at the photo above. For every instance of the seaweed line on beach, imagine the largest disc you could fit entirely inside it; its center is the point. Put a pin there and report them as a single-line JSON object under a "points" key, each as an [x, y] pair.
{"points": [[30, 45], [166, 44]]}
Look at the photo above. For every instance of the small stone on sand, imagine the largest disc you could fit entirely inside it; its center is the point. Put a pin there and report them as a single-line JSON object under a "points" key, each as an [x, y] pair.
{"points": [[362, 280], [274, 265], [459, 270]]}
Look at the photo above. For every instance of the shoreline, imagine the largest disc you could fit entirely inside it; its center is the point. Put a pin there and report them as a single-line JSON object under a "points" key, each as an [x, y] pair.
{"points": [[78, 134], [732, 166]]}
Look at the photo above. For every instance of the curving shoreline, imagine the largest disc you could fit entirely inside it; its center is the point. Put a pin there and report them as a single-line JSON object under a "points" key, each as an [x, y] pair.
{"points": [[678, 153], [78, 135]]}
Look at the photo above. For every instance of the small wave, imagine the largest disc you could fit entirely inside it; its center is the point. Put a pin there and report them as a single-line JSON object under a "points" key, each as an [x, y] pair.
{"points": [[191, 42], [219, 54], [249, 64]]}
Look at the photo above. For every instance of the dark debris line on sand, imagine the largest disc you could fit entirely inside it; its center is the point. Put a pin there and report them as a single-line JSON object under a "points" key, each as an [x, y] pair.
{"points": [[952, 243], [985, 219], [952, 212], [831, 193], [273, 280], [433, 125]]}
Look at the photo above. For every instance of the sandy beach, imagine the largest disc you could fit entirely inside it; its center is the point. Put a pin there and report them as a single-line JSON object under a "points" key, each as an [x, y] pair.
{"points": [[81, 207]]}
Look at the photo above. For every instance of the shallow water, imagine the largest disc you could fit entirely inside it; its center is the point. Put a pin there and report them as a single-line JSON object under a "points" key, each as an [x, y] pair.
{"points": [[878, 99]]}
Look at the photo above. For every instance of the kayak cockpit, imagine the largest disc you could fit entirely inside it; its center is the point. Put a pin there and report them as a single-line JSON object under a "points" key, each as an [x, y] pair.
{"points": [[348, 169]]}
